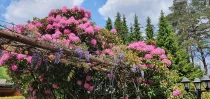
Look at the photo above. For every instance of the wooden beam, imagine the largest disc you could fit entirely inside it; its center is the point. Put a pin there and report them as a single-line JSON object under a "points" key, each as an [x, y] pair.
{"points": [[48, 46]]}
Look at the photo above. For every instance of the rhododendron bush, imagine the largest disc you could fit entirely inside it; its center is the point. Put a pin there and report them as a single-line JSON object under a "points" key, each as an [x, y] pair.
{"points": [[102, 67]]}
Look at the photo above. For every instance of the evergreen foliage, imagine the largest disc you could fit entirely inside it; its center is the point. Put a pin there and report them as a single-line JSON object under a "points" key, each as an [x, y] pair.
{"points": [[108, 24], [149, 30], [167, 39]]}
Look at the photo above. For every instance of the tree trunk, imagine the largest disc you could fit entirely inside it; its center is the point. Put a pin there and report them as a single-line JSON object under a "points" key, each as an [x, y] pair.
{"points": [[203, 60], [192, 56]]}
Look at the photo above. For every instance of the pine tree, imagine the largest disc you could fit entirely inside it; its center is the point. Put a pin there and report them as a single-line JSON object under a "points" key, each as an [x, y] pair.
{"points": [[125, 27], [109, 24], [192, 31], [136, 35], [118, 25], [168, 40], [131, 29], [125, 30], [149, 30]]}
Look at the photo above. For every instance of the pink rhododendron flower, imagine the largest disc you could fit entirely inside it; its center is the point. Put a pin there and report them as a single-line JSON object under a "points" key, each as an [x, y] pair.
{"points": [[29, 59], [176, 93], [150, 82], [82, 9], [56, 25], [86, 70], [109, 51], [91, 88], [47, 91], [20, 56], [125, 97], [89, 30], [30, 88], [47, 37], [93, 41], [14, 67], [103, 44], [5, 57], [151, 66], [30, 26], [64, 9], [97, 52], [139, 80], [50, 19], [38, 24], [56, 36], [1, 62], [97, 28], [53, 11], [13, 53], [55, 86], [153, 43], [102, 54], [85, 19], [82, 26], [158, 51], [25, 71], [149, 48], [67, 31], [163, 56], [86, 85], [143, 66], [75, 8], [148, 56], [168, 62], [49, 27], [110, 76], [88, 78], [79, 82], [34, 92], [114, 31]]}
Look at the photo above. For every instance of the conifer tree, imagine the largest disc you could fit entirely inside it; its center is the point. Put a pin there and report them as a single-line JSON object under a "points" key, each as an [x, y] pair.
{"points": [[118, 25], [168, 40], [125, 30], [149, 30], [136, 35], [109, 24]]}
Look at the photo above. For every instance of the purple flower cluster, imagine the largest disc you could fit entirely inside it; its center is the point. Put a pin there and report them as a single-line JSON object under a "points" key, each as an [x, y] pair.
{"points": [[79, 51], [58, 56], [87, 56]]}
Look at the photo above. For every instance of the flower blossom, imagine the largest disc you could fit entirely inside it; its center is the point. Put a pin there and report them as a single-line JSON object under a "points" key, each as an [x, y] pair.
{"points": [[93, 41], [148, 56], [114, 31], [20, 56], [14, 67], [55, 86], [168, 62], [176, 93]]}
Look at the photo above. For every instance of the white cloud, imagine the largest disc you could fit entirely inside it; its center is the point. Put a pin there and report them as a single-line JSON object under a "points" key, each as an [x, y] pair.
{"points": [[20, 11], [142, 8]]}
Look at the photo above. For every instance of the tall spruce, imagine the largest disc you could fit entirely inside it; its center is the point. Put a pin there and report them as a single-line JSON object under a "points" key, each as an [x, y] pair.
{"points": [[125, 30], [149, 30], [108, 24], [168, 40], [129, 37], [118, 25], [136, 34]]}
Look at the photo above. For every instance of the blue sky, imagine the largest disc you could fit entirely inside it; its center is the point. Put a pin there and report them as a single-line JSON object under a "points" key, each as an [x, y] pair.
{"points": [[93, 6]]}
